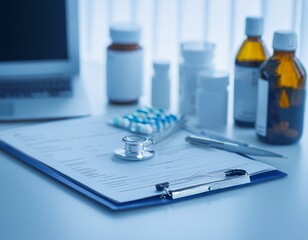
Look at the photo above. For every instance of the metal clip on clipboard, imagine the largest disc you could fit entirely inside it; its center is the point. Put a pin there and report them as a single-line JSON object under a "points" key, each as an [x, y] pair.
{"points": [[233, 177]]}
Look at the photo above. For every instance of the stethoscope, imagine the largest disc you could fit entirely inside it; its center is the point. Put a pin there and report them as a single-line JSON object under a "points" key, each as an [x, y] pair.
{"points": [[136, 146]]}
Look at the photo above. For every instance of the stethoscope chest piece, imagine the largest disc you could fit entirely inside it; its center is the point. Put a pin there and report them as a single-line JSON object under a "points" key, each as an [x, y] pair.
{"points": [[134, 149]]}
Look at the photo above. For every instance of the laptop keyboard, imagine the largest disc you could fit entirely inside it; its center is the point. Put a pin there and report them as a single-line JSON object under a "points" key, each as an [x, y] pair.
{"points": [[43, 88]]}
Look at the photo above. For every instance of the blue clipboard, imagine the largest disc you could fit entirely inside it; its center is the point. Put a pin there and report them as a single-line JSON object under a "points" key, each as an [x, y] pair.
{"points": [[151, 201]]}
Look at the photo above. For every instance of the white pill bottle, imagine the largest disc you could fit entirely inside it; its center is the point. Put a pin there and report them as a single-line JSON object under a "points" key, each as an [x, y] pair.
{"points": [[124, 73], [212, 99], [161, 84], [196, 56]]}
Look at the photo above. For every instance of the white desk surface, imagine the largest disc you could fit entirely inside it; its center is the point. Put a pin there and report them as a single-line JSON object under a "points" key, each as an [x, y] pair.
{"points": [[34, 206]]}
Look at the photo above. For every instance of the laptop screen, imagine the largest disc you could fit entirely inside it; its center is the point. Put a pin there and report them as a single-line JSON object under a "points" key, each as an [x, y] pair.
{"points": [[33, 30]]}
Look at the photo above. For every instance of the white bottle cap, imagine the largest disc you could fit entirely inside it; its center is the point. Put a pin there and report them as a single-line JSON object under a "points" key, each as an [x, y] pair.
{"points": [[285, 40], [254, 26], [161, 65], [197, 52], [213, 80], [125, 33]]}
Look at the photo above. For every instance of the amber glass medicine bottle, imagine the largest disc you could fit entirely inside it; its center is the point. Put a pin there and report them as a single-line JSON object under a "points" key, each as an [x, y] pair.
{"points": [[251, 55], [281, 93], [124, 70]]}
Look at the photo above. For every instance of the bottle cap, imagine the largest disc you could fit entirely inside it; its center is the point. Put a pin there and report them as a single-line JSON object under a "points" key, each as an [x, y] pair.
{"points": [[161, 65], [254, 26], [125, 33], [213, 80], [197, 52], [285, 40]]}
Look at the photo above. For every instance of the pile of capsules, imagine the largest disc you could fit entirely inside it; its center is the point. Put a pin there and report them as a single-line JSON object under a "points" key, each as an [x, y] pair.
{"points": [[147, 120]]}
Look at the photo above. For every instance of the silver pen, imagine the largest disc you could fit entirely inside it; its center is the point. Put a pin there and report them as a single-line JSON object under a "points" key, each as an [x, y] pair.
{"points": [[212, 135], [231, 147]]}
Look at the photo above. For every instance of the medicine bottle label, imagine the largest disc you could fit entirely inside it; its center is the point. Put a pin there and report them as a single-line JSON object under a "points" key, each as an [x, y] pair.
{"points": [[187, 89], [124, 75], [261, 121], [245, 93]]}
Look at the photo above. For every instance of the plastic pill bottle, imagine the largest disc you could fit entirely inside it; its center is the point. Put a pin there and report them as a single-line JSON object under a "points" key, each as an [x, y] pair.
{"points": [[196, 56], [124, 70], [212, 99], [161, 84]]}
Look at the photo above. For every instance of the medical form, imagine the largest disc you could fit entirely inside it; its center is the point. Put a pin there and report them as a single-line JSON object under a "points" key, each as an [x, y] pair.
{"points": [[82, 150]]}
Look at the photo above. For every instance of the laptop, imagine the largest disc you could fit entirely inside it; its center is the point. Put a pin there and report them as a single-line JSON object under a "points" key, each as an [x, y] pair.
{"points": [[39, 60]]}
